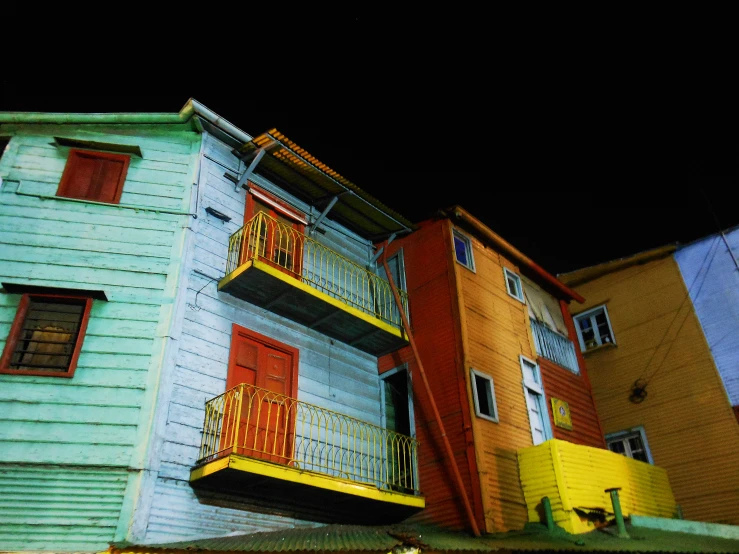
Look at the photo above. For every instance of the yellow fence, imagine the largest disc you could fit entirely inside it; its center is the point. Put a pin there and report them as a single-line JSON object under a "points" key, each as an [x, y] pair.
{"points": [[267, 239], [576, 477], [255, 422]]}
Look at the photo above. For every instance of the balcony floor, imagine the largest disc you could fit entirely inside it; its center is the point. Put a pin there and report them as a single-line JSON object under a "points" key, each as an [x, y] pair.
{"points": [[304, 494], [282, 294]]}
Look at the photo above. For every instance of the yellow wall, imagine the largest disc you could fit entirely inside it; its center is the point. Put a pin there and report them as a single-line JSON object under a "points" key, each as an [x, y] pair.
{"points": [[575, 478], [689, 424], [496, 331]]}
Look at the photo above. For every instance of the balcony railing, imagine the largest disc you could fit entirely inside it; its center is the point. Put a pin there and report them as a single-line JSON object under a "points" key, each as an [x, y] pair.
{"points": [[265, 425], [298, 255], [553, 346]]}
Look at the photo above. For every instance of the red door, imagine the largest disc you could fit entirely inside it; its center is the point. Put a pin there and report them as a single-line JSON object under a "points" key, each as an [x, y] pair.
{"points": [[276, 238], [264, 410]]}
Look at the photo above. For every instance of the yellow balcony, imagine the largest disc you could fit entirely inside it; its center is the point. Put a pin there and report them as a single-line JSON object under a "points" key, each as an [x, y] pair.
{"points": [[296, 458], [280, 269], [576, 478]]}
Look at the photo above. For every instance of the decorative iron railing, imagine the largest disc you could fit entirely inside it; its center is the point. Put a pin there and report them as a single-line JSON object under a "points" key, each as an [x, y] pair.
{"points": [[553, 346], [270, 240], [265, 425]]}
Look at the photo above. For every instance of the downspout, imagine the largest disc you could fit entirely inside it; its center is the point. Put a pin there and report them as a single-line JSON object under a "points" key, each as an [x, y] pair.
{"points": [[437, 416]]}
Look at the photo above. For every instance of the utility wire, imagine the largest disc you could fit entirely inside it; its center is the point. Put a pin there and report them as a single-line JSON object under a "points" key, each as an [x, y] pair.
{"points": [[687, 295]]}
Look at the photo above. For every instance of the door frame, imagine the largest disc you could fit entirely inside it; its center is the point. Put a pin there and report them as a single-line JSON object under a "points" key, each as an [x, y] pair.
{"points": [[269, 342]]}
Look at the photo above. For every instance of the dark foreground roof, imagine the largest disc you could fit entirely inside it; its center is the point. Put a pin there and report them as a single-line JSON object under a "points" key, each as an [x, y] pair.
{"points": [[401, 538]]}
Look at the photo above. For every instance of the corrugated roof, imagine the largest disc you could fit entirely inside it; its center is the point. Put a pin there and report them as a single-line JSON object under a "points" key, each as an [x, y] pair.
{"points": [[293, 168], [366, 539]]}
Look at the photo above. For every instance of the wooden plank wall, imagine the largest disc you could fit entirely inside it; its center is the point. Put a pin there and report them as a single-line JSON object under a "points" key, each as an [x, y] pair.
{"points": [[689, 424], [709, 270], [331, 374], [71, 449]]}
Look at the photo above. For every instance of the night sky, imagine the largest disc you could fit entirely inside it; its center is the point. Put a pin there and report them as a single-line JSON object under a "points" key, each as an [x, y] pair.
{"points": [[577, 148]]}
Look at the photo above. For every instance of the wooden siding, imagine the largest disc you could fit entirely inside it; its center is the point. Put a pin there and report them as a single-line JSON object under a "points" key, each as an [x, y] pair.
{"points": [[100, 417], [709, 270], [563, 384], [689, 425], [498, 333], [435, 322], [330, 374]]}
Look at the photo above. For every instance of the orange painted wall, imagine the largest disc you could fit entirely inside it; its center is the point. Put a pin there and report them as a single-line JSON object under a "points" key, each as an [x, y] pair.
{"points": [[689, 424], [435, 324]]}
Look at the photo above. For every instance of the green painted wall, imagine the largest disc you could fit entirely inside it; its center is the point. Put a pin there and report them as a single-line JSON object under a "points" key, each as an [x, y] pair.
{"points": [[72, 451]]}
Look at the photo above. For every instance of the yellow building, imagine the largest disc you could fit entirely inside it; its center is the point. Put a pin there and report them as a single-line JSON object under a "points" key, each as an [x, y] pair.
{"points": [[657, 390]]}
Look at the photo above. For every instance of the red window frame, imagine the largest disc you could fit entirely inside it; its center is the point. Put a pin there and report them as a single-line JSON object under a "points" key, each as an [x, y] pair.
{"points": [[108, 187], [16, 330]]}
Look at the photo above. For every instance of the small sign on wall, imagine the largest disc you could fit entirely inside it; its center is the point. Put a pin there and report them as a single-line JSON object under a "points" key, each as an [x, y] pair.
{"points": [[561, 411]]}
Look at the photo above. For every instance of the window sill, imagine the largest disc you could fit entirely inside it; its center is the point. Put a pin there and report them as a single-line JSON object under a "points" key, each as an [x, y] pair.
{"points": [[601, 347]]}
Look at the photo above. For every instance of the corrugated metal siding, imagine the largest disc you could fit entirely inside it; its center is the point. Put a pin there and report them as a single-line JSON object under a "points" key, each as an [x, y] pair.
{"points": [[565, 385], [59, 508], [331, 374], [100, 416], [575, 478], [689, 425], [497, 334], [710, 265], [434, 326]]}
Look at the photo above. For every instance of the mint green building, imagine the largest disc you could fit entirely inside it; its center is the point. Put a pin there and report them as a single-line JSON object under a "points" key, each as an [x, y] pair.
{"points": [[94, 210]]}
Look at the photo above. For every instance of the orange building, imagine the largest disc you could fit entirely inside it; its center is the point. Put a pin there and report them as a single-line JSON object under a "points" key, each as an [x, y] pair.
{"points": [[659, 393], [497, 348]]}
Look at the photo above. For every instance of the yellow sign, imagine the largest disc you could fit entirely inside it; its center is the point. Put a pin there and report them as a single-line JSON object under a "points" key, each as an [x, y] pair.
{"points": [[561, 411]]}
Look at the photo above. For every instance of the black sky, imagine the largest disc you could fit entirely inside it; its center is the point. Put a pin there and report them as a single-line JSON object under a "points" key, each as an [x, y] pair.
{"points": [[577, 146]]}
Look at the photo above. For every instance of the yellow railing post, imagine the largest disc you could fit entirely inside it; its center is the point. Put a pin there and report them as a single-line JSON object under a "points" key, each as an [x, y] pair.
{"points": [[263, 237], [314, 438]]}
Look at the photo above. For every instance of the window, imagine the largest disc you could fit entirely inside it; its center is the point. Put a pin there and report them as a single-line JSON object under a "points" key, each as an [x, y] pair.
{"points": [[541, 429], [46, 335], [594, 328], [483, 392], [95, 176], [631, 443], [463, 250], [513, 284], [276, 234]]}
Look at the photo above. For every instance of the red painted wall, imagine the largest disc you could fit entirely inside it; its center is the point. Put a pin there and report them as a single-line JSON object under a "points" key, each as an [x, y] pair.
{"points": [[435, 324]]}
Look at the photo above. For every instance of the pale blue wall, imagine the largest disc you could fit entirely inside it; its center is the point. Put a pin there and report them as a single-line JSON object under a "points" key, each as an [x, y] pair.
{"points": [[712, 277], [331, 374], [72, 450]]}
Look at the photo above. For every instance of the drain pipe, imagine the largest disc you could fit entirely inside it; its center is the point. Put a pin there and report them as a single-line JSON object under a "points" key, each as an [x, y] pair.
{"points": [[447, 445], [548, 515], [622, 533]]}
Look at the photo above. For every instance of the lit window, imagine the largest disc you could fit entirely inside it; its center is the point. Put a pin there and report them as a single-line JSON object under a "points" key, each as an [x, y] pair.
{"points": [[513, 284], [594, 328], [46, 336], [631, 443], [95, 176], [483, 392], [463, 250]]}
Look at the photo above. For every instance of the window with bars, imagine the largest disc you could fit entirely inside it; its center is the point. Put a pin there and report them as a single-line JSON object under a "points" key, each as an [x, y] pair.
{"points": [[46, 335], [631, 443], [95, 176]]}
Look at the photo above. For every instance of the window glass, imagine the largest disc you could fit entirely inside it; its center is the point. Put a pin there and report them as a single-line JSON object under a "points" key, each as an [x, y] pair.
{"points": [[463, 250], [594, 328], [631, 444], [46, 336], [483, 391], [513, 284]]}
